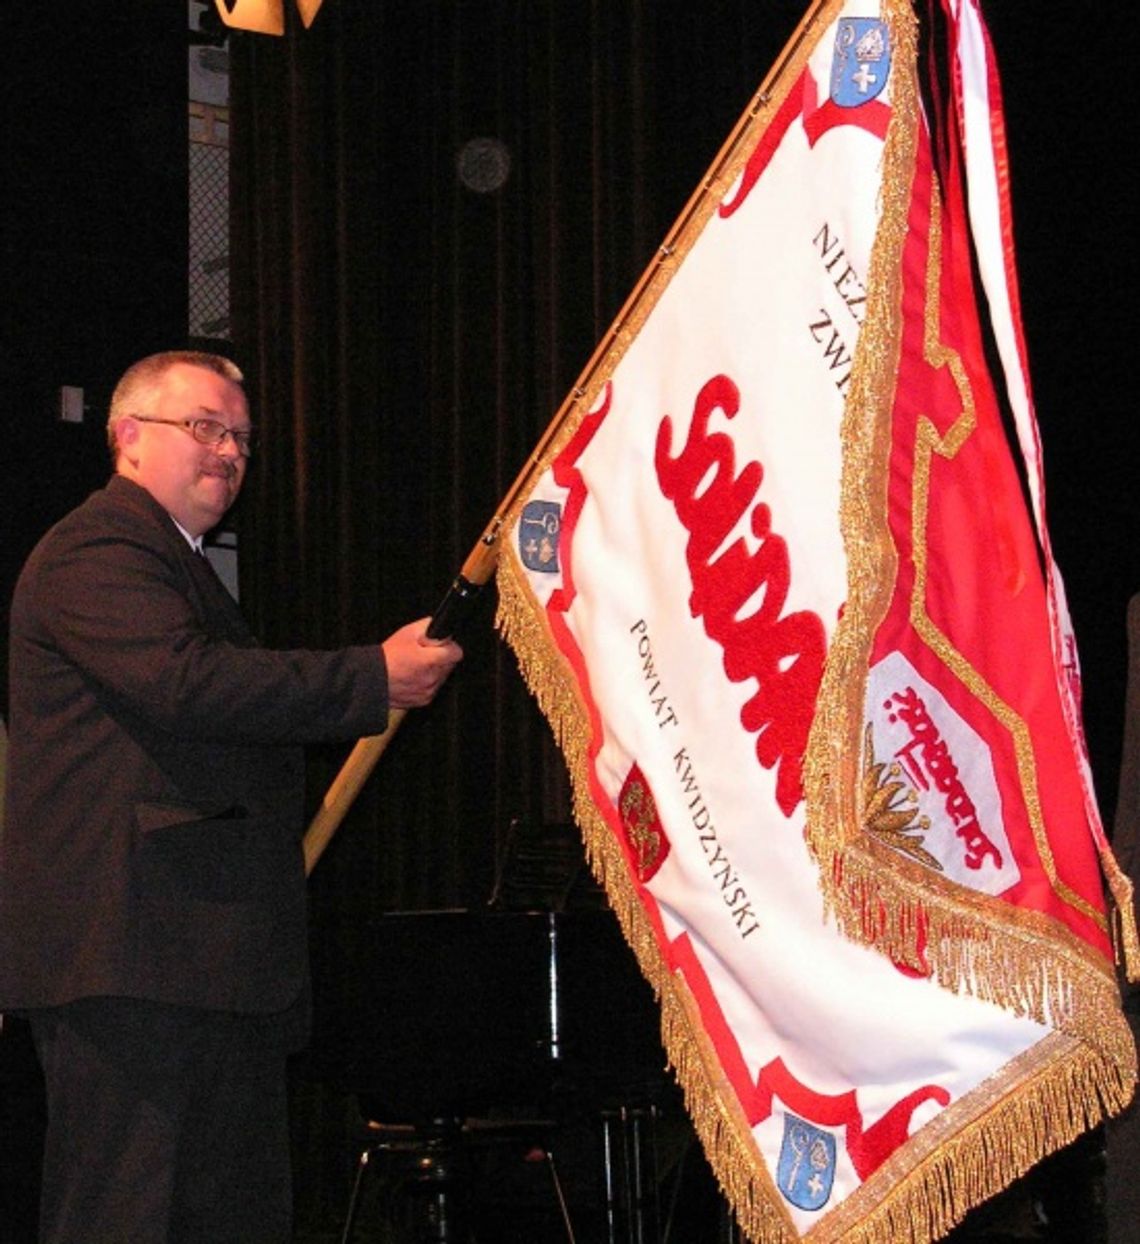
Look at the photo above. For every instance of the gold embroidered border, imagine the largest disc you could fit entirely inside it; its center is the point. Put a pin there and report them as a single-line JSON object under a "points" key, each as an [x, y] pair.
{"points": [[1022, 960], [832, 759], [944, 1171], [717, 1117], [928, 444], [969, 1152], [712, 1105], [702, 204], [1038, 1103]]}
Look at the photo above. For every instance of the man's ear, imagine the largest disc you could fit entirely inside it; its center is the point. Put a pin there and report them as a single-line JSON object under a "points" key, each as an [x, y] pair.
{"points": [[127, 434]]}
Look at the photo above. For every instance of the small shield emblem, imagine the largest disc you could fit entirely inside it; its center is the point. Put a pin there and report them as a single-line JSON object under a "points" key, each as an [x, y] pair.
{"points": [[539, 529], [806, 1169], [642, 824], [861, 62]]}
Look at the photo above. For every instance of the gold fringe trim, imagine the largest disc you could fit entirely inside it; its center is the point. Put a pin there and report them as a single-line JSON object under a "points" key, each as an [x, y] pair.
{"points": [[879, 896], [970, 1152], [720, 1123], [716, 1115], [928, 444], [832, 763], [1125, 939], [1046, 1099], [1040, 1102], [1019, 965]]}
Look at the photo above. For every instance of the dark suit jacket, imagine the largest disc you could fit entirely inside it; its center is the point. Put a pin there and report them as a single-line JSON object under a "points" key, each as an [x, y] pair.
{"points": [[152, 839]]}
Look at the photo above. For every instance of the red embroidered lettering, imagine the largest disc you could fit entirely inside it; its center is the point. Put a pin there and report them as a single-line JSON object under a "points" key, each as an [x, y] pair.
{"points": [[938, 765], [785, 654]]}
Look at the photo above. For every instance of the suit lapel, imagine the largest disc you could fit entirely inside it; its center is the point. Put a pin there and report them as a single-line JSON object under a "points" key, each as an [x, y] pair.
{"points": [[218, 604], [218, 610]]}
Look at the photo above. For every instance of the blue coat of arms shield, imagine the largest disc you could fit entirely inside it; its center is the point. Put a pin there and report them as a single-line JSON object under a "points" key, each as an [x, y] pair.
{"points": [[806, 1168], [861, 62]]}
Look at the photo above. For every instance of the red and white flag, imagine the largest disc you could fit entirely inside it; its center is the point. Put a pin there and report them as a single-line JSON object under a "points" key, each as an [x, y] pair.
{"points": [[806, 652]]}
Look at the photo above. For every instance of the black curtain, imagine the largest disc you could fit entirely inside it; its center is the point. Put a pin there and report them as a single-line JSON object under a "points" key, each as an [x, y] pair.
{"points": [[437, 211], [411, 325], [438, 208]]}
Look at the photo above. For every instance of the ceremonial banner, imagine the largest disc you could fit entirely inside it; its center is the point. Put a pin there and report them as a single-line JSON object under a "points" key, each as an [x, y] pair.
{"points": [[803, 644]]}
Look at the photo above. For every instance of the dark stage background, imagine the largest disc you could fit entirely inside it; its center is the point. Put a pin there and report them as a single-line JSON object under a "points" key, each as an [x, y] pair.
{"points": [[408, 329]]}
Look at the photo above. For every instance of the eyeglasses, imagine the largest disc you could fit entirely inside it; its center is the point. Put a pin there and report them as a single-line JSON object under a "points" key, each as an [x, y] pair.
{"points": [[210, 432]]}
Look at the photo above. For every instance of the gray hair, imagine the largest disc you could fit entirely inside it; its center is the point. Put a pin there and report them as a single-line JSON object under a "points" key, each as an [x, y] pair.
{"points": [[138, 388]]}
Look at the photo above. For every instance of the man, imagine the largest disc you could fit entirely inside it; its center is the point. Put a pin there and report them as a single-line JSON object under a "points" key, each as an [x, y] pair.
{"points": [[152, 896]]}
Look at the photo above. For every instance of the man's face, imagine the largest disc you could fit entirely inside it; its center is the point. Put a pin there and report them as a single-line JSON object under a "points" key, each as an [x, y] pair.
{"points": [[194, 483]]}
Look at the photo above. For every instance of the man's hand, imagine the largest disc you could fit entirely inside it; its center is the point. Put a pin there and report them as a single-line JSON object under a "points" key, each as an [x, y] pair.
{"points": [[417, 666]]}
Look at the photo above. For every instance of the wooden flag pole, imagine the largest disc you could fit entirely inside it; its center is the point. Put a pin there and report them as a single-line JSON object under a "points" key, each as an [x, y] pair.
{"points": [[453, 609], [473, 576], [481, 561], [345, 787]]}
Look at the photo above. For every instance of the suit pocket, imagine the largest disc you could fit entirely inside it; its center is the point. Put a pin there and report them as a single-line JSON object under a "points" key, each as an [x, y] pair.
{"points": [[187, 852], [218, 906], [161, 814]]}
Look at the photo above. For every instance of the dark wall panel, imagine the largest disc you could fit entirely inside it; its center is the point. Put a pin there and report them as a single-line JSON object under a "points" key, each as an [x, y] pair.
{"points": [[93, 235]]}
